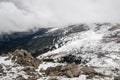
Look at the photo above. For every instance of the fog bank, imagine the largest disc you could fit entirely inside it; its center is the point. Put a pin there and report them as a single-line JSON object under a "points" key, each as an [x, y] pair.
{"points": [[20, 15]]}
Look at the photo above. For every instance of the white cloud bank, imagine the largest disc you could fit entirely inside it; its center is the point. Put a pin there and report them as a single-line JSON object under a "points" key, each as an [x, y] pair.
{"points": [[19, 15]]}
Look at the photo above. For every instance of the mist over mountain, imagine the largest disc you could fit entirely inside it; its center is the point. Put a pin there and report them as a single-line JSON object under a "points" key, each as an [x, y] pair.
{"points": [[21, 15]]}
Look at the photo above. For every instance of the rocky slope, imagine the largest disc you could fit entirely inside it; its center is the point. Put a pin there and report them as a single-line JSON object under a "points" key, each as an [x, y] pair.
{"points": [[21, 65], [76, 52], [96, 45]]}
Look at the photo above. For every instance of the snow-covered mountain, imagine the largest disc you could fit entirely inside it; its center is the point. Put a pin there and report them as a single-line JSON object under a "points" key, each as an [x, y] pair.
{"points": [[87, 38], [79, 38], [45, 39], [96, 45]]}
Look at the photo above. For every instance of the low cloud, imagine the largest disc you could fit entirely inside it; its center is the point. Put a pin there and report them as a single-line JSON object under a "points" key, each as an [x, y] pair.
{"points": [[20, 15]]}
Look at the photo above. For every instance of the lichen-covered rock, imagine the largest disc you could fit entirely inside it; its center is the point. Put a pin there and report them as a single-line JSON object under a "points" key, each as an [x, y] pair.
{"points": [[1, 70], [88, 70], [24, 58], [20, 77], [75, 69], [117, 78], [69, 70], [51, 71], [52, 79], [31, 71], [69, 74]]}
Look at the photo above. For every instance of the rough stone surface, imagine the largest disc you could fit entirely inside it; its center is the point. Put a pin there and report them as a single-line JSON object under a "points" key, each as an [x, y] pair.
{"points": [[88, 70], [52, 79], [25, 58], [69, 74], [20, 77], [32, 72], [1, 70], [117, 78], [69, 70]]}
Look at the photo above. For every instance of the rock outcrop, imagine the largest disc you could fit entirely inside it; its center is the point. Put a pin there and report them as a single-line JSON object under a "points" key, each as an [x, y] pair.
{"points": [[1, 70], [69, 70], [24, 58], [117, 78], [28, 64], [73, 70]]}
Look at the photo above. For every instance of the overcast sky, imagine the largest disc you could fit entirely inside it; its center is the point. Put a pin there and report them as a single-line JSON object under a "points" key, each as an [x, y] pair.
{"points": [[19, 15]]}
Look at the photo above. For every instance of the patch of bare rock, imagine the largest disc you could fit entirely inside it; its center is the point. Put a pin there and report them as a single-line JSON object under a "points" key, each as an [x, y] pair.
{"points": [[20, 77], [117, 78], [31, 64], [72, 70], [24, 58], [27, 61], [1, 70]]}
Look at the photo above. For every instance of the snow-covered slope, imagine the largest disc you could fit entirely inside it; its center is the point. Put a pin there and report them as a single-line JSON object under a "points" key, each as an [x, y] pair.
{"points": [[98, 46], [95, 47], [97, 38]]}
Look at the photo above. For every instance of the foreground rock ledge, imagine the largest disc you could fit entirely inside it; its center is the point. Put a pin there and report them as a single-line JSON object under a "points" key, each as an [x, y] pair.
{"points": [[24, 58], [73, 70]]}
